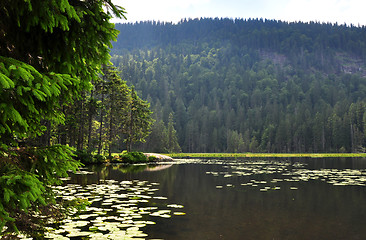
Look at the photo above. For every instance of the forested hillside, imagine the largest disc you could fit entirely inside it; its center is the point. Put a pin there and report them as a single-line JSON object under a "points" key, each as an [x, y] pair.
{"points": [[248, 85]]}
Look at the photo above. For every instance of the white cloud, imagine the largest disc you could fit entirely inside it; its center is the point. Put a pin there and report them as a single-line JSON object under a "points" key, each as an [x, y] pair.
{"points": [[341, 11], [183, 4], [163, 10]]}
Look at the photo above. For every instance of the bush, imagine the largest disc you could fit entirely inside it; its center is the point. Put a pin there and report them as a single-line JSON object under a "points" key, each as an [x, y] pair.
{"points": [[86, 157], [133, 157]]}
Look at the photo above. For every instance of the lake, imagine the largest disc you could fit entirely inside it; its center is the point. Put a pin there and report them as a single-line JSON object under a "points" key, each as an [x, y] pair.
{"points": [[220, 199]]}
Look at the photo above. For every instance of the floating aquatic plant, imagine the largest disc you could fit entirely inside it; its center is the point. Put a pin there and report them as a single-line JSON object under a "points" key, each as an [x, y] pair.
{"points": [[289, 172], [119, 210]]}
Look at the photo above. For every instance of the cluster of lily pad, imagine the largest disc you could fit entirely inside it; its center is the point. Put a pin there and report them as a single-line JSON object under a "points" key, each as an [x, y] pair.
{"points": [[283, 171], [118, 210], [337, 177]]}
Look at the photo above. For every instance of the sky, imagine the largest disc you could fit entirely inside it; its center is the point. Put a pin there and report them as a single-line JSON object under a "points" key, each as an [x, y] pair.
{"points": [[340, 11]]}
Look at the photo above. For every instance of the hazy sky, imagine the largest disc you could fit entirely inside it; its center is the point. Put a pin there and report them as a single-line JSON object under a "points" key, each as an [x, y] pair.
{"points": [[341, 11]]}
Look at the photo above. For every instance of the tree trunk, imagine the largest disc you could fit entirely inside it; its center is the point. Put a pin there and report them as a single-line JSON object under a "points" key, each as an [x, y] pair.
{"points": [[110, 128], [80, 144], [90, 122], [45, 138], [101, 123]]}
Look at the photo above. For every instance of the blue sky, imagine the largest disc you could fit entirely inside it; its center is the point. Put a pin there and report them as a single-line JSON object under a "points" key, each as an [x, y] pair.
{"points": [[341, 11]]}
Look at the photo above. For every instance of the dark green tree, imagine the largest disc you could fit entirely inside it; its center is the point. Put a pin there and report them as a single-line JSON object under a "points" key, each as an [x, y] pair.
{"points": [[138, 121], [173, 145], [157, 140], [116, 105]]}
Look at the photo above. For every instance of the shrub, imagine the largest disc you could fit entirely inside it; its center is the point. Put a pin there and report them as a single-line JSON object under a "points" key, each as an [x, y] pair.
{"points": [[133, 157]]}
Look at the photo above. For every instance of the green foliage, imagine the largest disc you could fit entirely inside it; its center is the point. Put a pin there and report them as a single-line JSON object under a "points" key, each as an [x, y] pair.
{"points": [[116, 103], [53, 162], [163, 138], [152, 159], [65, 34], [133, 157], [310, 41], [30, 97], [27, 174], [138, 122], [86, 157], [19, 190], [114, 114], [99, 158], [50, 51], [173, 145]]}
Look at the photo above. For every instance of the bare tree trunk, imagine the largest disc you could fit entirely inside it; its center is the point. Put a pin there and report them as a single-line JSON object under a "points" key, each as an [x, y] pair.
{"points": [[90, 123], [110, 130], [129, 137], [101, 123], [352, 139], [80, 144], [323, 139]]}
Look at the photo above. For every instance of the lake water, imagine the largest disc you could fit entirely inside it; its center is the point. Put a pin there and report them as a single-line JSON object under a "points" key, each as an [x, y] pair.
{"points": [[221, 199]]}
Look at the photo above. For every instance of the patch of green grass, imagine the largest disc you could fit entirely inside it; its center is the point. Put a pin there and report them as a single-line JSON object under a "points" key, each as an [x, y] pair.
{"points": [[264, 155]]}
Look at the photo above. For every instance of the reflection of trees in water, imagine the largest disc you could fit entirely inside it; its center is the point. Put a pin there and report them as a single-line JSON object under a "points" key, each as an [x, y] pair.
{"points": [[118, 171], [153, 168], [130, 168]]}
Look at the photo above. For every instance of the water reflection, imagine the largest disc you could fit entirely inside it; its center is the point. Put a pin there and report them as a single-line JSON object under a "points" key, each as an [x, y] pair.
{"points": [[242, 199]]}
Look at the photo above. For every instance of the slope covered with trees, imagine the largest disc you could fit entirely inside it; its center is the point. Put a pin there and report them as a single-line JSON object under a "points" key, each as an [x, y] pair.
{"points": [[256, 85]]}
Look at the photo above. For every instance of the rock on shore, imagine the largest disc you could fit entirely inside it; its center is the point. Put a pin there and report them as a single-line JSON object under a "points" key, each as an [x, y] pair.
{"points": [[161, 157]]}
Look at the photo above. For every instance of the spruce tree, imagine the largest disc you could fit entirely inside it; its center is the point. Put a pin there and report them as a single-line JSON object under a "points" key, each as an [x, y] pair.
{"points": [[173, 145], [49, 53], [138, 121], [116, 105]]}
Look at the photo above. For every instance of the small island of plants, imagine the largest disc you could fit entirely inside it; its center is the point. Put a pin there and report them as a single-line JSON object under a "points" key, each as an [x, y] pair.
{"points": [[124, 157]]}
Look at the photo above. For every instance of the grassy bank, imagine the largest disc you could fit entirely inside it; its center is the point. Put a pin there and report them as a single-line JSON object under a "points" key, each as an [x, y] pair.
{"points": [[265, 155]]}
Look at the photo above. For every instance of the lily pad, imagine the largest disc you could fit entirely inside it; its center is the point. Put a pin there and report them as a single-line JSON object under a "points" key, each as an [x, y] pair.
{"points": [[179, 213], [115, 207]]}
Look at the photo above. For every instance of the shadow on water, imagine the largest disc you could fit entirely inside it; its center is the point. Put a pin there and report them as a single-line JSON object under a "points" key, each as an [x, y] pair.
{"points": [[229, 199]]}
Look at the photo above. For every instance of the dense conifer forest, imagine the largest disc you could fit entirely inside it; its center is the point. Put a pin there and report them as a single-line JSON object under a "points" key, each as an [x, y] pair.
{"points": [[224, 85]]}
